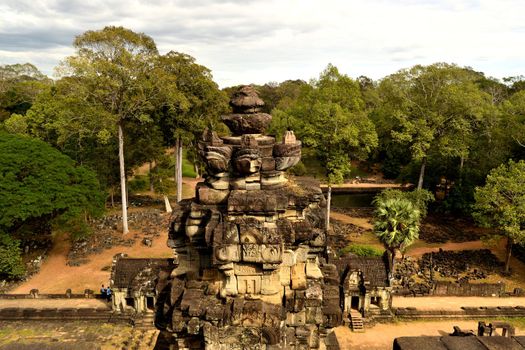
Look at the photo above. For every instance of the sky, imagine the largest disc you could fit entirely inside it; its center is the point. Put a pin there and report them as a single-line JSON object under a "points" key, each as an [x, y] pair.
{"points": [[252, 41]]}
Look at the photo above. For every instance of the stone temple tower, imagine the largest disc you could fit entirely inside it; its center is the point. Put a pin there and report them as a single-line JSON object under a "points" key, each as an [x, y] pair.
{"points": [[250, 247]]}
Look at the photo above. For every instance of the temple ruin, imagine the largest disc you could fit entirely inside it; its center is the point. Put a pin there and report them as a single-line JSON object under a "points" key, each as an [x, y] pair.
{"points": [[251, 264]]}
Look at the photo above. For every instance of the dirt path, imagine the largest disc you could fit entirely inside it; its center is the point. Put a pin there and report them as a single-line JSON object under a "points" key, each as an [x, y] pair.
{"points": [[367, 185], [381, 336], [472, 245], [454, 303], [347, 219], [54, 303], [56, 277]]}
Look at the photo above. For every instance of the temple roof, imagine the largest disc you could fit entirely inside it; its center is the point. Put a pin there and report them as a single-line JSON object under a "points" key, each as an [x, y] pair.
{"points": [[126, 270], [374, 269]]}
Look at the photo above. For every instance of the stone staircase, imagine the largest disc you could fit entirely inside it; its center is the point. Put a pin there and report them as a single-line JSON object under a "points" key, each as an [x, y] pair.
{"points": [[356, 321], [145, 321]]}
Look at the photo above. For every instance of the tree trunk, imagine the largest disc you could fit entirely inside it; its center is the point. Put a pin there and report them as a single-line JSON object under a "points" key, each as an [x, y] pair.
{"points": [[328, 203], [167, 204], [461, 164], [196, 167], [393, 252], [111, 194], [178, 172], [422, 173], [509, 253], [151, 188], [123, 192]]}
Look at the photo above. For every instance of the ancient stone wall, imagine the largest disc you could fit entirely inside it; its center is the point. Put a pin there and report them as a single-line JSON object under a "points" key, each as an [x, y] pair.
{"points": [[468, 289]]}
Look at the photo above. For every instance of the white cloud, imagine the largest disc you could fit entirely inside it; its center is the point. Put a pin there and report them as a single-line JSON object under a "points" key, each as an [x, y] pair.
{"points": [[260, 41]]}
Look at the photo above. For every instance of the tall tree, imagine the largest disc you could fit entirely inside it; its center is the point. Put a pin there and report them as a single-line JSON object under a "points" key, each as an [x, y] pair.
{"points": [[501, 203], [20, 84], [113, 70], [434, 109], [330, 118], [197, 104], [396, 223], [37, 182], [514, 111]]}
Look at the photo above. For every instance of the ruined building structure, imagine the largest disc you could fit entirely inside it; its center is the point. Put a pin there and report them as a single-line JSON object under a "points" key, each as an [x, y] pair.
{"points": [[250, 255]]}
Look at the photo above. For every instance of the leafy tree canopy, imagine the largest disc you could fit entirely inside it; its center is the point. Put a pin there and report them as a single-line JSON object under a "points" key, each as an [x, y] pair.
{"points": [[20, 84], [501, 202], [329, 117], [37, 181], [419, 198], [396, 223], [433, 108]]}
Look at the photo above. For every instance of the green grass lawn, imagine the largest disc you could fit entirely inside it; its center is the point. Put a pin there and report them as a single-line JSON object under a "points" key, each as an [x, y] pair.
{"points": [[188, 169]]}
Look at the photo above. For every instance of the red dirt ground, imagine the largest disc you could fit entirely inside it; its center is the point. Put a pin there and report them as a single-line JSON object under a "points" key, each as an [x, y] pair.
{"points": [[56, 277]]}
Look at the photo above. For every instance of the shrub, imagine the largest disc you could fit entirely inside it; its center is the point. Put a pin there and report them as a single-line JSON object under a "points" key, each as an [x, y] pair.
{"points": [[361, 250], [138, 184], [11, 265], [298, 170]]}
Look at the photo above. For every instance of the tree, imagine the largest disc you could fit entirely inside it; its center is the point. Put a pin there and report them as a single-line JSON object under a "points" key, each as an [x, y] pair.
{"points": [[11, 265], [197, 103], [514, 110], [113, 70], [500, 203], [39, 183], [396, 223], [20, 84], [419, 198], [329, 117], [434, 109]]}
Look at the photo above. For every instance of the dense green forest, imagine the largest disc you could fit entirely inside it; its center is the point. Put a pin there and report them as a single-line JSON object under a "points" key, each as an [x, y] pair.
{"points": [[118, 103]]}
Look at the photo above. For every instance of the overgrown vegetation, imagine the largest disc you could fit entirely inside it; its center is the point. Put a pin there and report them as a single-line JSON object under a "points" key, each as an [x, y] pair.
{"points": [[38, 186], [361, 250]]}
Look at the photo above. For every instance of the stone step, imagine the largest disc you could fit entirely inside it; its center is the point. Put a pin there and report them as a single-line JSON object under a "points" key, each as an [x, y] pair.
{"points": [[356, 321], [146, 321]]}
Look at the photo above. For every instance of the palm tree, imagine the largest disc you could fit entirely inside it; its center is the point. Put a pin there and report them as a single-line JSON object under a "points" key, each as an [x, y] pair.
{"points": [[396, 224]]}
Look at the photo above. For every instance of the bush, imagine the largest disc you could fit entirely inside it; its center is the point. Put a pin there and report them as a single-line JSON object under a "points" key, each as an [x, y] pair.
{"points": [[138, 184], [298, 170], [11, 265], [361, 250]]}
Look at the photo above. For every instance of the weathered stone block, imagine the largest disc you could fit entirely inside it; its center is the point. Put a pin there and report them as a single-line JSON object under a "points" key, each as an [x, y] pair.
{"points": [[314, 315], [194, 326], [207, 195], [313, 271], [271, 253], [284, 275], [268, 164], [301, 254], [247, 270], [251, 253], [227, 253], [270, 284], [288, 258], [249, 284], [314, 295], [253, 186], [298, 276]]}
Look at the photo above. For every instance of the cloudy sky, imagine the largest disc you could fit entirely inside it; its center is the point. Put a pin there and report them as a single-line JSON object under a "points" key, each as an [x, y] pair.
{"points": [[252, 41]]}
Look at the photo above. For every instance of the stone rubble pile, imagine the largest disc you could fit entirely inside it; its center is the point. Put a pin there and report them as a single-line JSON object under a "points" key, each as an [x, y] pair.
{"points": [[106, 234]]}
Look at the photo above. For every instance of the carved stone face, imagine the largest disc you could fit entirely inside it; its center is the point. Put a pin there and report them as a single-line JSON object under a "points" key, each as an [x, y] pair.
{"points": [[217, 158], [247, 161], [228, 253]]}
